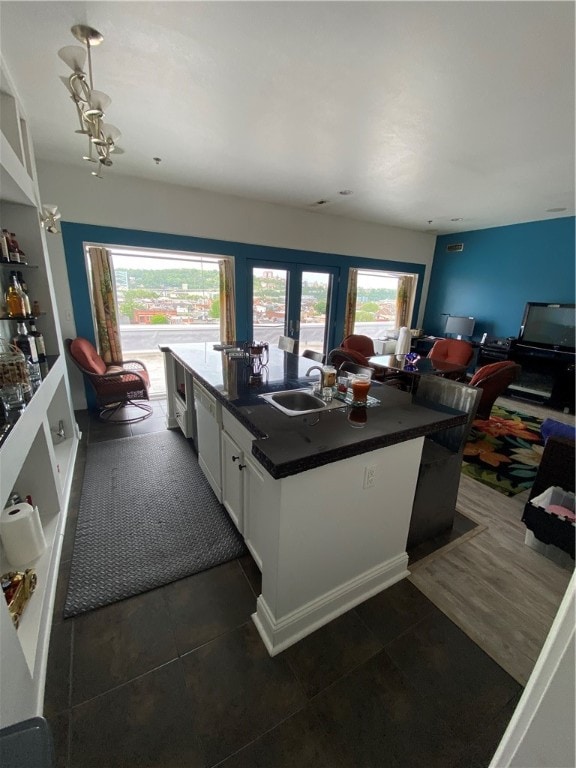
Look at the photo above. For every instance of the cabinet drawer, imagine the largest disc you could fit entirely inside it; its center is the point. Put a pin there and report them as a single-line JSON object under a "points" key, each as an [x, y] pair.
{"points": [[237, 432]]}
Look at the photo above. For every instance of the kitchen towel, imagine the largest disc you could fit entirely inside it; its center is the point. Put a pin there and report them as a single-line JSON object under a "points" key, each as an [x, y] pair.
{"points": [[21, 533], [404, 341]]}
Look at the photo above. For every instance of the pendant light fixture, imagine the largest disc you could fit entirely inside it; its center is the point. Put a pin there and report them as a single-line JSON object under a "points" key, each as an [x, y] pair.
{"points": [[90, 104]]}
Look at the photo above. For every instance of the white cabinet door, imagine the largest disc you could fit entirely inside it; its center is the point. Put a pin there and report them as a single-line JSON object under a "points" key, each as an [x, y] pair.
{"points": [[232, 480], [255, 501], [209, 420]]}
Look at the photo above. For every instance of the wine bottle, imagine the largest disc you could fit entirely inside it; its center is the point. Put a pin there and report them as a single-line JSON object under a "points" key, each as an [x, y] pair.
{"points": [[12, 249], [26, 344], [24, 289], [39, 338], [17, 249], [15, 304]]}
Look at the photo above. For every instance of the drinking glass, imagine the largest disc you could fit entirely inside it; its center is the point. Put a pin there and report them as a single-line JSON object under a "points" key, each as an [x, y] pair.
{"points": [[360, 388], [12, 397]]}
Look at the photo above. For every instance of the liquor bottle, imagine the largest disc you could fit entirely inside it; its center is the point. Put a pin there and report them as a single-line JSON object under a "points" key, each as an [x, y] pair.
{"points": [[35, 308], [26, 344], [15, 304], [24, 288], [17, 249], [4, 252], [39, 338], [12, 249]]}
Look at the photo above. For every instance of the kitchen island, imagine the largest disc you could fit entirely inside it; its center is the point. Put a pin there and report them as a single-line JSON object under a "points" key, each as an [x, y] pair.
{"points": [[323, 499]]}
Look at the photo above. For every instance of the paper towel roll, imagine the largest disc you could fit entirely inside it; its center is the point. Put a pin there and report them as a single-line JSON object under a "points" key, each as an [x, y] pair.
{"points": [[21, 533], [404, 341]]}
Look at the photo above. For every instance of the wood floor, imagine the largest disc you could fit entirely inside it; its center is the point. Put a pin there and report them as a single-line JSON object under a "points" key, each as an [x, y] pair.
{"points": [[500, 592]]}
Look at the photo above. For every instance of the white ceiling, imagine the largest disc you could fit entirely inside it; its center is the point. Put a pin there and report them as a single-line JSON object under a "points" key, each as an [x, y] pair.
{"points": [[427, 111]]}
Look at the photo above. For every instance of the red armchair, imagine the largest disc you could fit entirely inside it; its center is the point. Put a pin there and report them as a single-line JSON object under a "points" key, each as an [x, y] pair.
{"points": [[452, 351], [116, 386], [455, 352], [359, 343], [493, 380]]}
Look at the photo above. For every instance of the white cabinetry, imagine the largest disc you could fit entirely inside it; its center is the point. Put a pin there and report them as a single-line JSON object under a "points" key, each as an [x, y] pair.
{"points": [[33, 458], [243, 484], [232, 480], [209, 425]]}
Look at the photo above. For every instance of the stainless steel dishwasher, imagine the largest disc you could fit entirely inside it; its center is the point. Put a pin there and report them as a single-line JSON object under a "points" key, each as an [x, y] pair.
{"points": [[209, 426]]}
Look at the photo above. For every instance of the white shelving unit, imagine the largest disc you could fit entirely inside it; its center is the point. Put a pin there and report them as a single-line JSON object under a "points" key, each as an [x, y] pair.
{"points": [[33, 459]]}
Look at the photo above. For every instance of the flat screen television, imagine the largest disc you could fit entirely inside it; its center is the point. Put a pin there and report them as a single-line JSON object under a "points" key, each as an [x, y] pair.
{"points": [[548, 326]]}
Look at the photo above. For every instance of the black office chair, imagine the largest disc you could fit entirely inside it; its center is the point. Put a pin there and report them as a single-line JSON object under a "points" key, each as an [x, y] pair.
{"points": [[313, 355]]}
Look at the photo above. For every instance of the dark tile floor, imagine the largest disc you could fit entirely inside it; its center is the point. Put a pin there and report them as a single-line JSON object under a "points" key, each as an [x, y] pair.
{"points": [[179, 678]]}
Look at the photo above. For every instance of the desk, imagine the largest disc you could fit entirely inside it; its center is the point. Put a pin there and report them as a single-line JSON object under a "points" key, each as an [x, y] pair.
{"points": [[424, 365]]}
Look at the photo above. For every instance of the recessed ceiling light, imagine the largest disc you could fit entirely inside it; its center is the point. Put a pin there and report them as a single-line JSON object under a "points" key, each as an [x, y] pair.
{"points": [[555, 210], [321, 202], [346, 192], [458, 218], [157, 160]]}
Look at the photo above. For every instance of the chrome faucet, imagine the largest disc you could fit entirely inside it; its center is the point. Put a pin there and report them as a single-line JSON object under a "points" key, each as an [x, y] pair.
{"points": [[316, 368]]}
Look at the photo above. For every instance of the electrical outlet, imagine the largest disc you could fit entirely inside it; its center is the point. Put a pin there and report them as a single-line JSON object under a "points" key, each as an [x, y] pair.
{"points": [[369, 477]]}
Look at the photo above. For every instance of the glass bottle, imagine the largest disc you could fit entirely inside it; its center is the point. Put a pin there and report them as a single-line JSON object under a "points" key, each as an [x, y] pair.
{"points": [[17, 249], [26, 343], [39, 338], [24, 288], [12, 249], [15, 304], [4, 252]]}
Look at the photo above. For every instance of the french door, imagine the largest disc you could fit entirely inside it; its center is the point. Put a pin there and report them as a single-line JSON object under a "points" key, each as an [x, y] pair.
{"points": [[293, 300]]}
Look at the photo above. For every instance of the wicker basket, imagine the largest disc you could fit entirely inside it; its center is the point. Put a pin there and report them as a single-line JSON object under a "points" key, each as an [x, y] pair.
{"points": [[13, 366]]}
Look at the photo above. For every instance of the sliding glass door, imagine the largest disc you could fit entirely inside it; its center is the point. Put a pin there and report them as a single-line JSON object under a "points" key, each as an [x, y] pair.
{"points": [[294, 301]]}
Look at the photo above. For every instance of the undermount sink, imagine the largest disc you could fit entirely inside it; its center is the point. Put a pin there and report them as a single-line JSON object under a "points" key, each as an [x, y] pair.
{"points": [[296, 402]]}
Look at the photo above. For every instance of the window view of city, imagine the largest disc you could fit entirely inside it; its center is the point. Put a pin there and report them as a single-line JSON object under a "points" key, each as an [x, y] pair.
{"points": [[376, 303], [164, 299]]}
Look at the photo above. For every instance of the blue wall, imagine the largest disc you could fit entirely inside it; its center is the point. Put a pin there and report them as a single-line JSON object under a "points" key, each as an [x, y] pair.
{"points": [[498, 271], [75, 235]]}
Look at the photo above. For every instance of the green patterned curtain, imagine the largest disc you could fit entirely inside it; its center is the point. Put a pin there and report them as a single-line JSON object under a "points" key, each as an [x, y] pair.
{"points": [[104, 302], [351, 297], [405, 300], [227, 302]]}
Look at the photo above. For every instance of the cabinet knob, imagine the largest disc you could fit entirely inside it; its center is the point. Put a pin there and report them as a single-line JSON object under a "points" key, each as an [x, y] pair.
{"points": [[241, 467], [235, 458]]}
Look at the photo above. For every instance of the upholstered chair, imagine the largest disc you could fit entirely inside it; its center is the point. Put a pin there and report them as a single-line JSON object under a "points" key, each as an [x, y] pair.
{"points": [[454, 351], [359, 343], [123, 385], [493, 380]]}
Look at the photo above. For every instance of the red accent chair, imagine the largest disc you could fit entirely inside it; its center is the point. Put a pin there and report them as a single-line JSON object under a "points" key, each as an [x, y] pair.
{"points": [[116, 387], [359, 343], [493, 380], [453, 351]]}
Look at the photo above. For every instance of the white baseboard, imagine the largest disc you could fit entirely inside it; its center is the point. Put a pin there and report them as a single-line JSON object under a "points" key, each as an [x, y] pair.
{"points": [[279, 634]]}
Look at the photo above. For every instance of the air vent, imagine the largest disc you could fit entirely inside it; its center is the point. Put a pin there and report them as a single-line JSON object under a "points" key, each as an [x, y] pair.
{"points": [[455, 248]]}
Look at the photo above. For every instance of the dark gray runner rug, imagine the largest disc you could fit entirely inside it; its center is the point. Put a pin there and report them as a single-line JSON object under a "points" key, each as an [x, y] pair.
{"points": [[147, 517]]}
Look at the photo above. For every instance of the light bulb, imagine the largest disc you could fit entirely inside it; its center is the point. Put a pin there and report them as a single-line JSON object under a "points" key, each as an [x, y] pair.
{"points": [[111, 133], [98, 102], [74, 56]]}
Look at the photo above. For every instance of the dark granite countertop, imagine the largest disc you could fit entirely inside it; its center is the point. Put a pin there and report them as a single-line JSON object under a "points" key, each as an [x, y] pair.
{"points": [[287, 445]]}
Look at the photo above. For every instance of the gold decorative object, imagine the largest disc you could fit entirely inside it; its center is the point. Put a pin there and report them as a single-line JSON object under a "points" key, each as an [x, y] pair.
{"points": [[17, 587]]}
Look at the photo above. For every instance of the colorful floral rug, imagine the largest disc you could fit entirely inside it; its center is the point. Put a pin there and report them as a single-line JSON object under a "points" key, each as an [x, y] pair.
{"points": [[504, 451]]}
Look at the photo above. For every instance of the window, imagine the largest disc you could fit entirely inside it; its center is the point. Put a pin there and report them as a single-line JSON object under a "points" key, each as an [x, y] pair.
{"points": [[166, 297], [379, 301]]}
